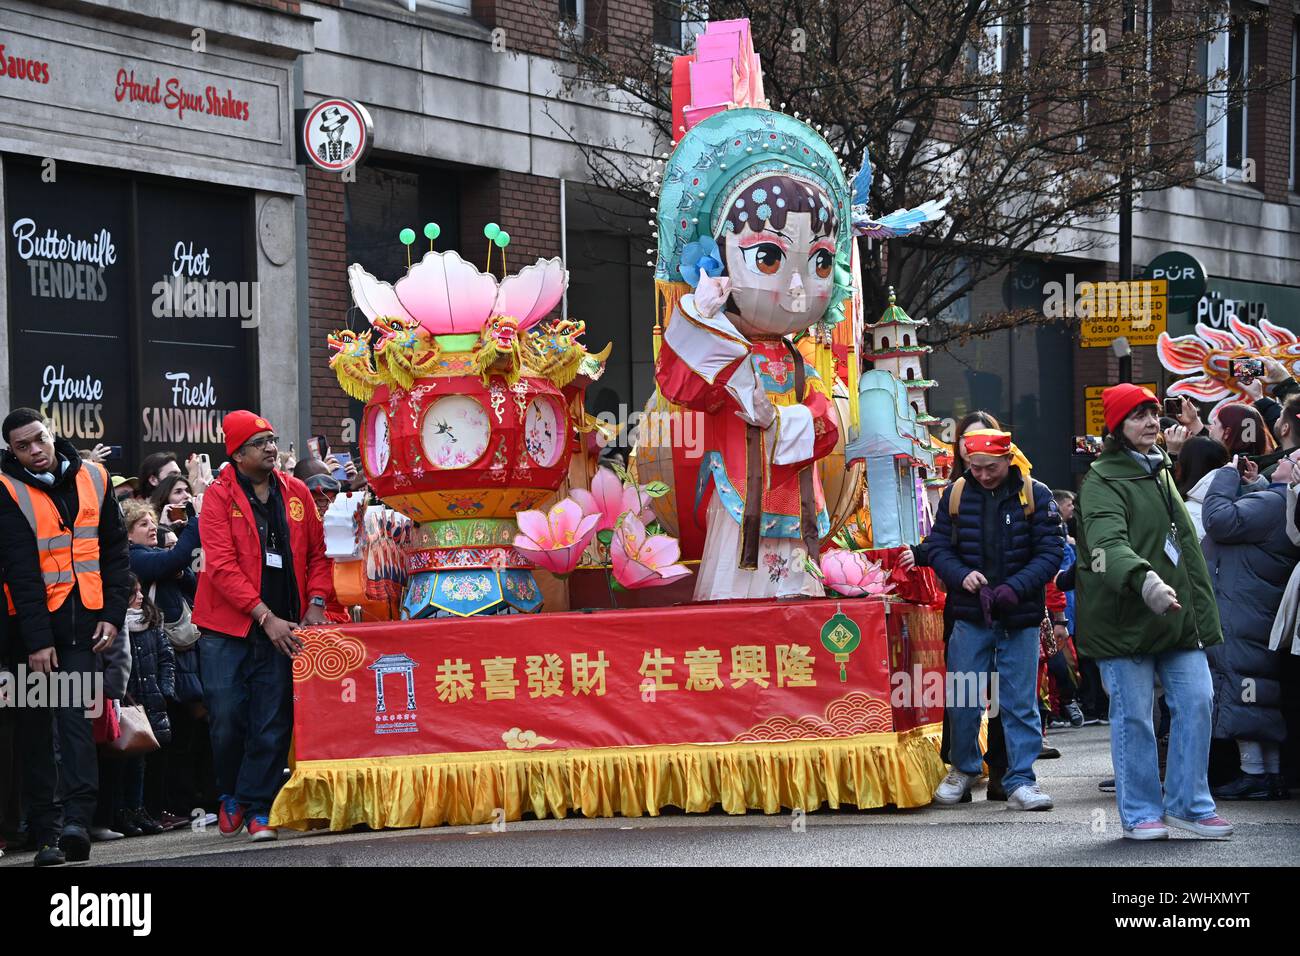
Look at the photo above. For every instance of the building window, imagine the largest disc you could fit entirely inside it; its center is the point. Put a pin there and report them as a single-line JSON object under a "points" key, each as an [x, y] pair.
{"points": [[573, 16], [1223, 114], [1004, 53], [670, 24], [1295, 64], [447, 6]]}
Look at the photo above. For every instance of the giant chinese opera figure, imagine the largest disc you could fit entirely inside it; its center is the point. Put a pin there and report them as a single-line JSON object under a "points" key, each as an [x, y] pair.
{"points": [[755, 217]]}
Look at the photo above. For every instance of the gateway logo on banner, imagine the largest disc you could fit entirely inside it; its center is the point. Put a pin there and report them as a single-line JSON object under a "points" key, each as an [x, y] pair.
{"points": [[63, 266]]}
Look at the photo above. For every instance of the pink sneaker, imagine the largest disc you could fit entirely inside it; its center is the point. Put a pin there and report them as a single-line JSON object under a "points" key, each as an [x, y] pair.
{"points": [[1151, 830], [1212, 828]]}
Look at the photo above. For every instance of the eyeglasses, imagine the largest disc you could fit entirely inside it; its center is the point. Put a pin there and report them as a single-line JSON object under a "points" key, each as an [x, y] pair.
{"points": [[263, 441]]}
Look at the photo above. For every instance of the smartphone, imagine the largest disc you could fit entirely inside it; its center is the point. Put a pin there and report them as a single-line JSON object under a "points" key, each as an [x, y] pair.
{"points": [[176, 513], [203, 457], [114, 452], [343, 458], [1173, 407], [1245, 370], [1242, 462], [319, 446], [1087, 444]]}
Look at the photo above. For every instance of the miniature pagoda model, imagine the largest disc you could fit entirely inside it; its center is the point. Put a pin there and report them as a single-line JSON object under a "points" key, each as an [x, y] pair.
{"points": [[895, 347]]}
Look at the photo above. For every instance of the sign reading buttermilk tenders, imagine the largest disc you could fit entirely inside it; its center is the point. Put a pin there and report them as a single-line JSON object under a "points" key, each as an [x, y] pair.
{"points": [[69, 299]]}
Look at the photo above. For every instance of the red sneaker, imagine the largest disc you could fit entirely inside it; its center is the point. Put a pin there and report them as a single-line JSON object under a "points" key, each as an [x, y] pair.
{"points": [[259, 829], [230, 818], [1211, 828]]}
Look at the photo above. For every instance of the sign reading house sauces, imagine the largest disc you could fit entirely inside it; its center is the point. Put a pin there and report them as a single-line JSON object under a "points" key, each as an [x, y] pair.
{"points": [[336, 134]]}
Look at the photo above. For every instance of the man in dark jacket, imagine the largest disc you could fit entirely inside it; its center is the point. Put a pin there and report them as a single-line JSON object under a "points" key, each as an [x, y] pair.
{"points": [[995, 548], [64, 542]]}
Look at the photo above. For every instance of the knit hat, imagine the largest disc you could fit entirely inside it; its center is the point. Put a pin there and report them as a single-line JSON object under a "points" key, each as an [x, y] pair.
{"points": [[240, 426], [1119, 400]]}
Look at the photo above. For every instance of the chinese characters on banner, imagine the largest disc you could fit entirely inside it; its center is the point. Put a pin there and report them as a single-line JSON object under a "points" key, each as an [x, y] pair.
{"points": [[710, 674]]}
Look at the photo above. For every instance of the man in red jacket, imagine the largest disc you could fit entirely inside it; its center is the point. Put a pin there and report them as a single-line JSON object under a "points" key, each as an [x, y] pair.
{"points": [[264, 571]]}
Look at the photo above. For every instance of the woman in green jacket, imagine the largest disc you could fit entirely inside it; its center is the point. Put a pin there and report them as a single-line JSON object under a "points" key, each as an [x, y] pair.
{"points": [[1147, 609]]}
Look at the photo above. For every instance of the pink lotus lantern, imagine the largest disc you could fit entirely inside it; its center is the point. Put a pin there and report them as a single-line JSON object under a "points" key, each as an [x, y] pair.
{"points": [[609, 499], [446, 295], [643, 562], [853, 575], [555, 541], [471, 403]]}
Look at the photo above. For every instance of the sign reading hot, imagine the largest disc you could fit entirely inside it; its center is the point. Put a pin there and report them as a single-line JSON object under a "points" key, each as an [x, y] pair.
{"points": [[336, 134]]}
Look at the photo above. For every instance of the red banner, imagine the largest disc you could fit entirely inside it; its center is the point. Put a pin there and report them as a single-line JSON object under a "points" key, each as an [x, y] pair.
{"points": [[735, 673]]}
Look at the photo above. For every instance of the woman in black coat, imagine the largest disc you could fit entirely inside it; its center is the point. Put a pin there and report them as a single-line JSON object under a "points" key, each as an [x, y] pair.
{"points": [[1250, 557]]}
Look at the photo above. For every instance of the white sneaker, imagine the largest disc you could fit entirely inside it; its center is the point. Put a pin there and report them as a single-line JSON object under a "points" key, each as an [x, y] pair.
{"points": [[954, 789], [1029, 797], [104, 834]]}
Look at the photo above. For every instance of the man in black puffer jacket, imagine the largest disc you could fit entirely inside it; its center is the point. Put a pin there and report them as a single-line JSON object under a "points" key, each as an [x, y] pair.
{"points": [[995, 548]]}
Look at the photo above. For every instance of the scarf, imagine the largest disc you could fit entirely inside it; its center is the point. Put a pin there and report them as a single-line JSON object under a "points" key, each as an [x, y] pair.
{"points": [[1151, 460], [135, 621]]}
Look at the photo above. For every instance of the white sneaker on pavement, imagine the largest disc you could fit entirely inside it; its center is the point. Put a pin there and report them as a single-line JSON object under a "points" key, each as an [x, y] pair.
{"points": [[954, 789], [1029, 797]]}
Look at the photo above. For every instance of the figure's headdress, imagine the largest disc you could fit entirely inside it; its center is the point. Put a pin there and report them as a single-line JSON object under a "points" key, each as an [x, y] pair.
{"points": [[730, 139]]}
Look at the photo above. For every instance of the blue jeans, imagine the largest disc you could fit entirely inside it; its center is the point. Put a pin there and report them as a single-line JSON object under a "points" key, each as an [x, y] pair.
{"points": [[248, 690], [974, 652], [1189, 692]]}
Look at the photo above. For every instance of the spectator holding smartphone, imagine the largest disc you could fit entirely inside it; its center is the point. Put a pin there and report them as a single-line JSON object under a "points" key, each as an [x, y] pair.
{"points": [[153, 470]]}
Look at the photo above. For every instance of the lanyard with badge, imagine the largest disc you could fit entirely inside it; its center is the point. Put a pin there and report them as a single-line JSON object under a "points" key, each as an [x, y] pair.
{"points": [[273, 557], [1172, 551]]}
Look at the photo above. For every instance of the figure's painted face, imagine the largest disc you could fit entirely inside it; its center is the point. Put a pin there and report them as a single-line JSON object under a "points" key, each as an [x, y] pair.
{"points": [[780, 255]]}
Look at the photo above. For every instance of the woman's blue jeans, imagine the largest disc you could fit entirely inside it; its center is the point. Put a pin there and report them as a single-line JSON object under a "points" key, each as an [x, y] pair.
{"points": [[1189, 692]]}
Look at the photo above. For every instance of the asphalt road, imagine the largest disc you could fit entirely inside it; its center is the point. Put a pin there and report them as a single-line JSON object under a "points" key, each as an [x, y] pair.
{"points": [[1083, 830]]}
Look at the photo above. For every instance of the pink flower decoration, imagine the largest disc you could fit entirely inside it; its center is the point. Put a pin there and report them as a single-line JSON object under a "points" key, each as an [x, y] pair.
{"points": [[610, 499], [641, 562], [852, 575], [556, 540], [446, 294]]}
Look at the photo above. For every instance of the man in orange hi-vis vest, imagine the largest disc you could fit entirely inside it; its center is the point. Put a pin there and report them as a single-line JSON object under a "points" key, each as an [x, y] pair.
{"points": [[66, 572]]}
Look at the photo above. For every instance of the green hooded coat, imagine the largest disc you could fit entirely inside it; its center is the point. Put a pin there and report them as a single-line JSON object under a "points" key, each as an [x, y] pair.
{"points": [[1124, 519]]}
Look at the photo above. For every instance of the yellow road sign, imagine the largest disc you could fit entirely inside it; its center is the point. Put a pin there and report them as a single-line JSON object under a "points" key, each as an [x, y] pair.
{"points": [[1137, 310]]}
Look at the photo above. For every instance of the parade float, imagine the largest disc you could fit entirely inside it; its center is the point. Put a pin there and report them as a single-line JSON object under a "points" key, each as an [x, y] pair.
{"points": [[751, 643]]}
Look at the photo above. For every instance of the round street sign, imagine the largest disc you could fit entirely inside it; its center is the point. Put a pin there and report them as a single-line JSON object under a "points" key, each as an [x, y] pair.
{"points": [[1185, 275], [337, 134]]}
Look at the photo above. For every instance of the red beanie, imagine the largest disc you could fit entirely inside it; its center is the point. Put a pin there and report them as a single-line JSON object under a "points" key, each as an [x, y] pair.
{"points": [[240, 426], [1118, 400]]}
